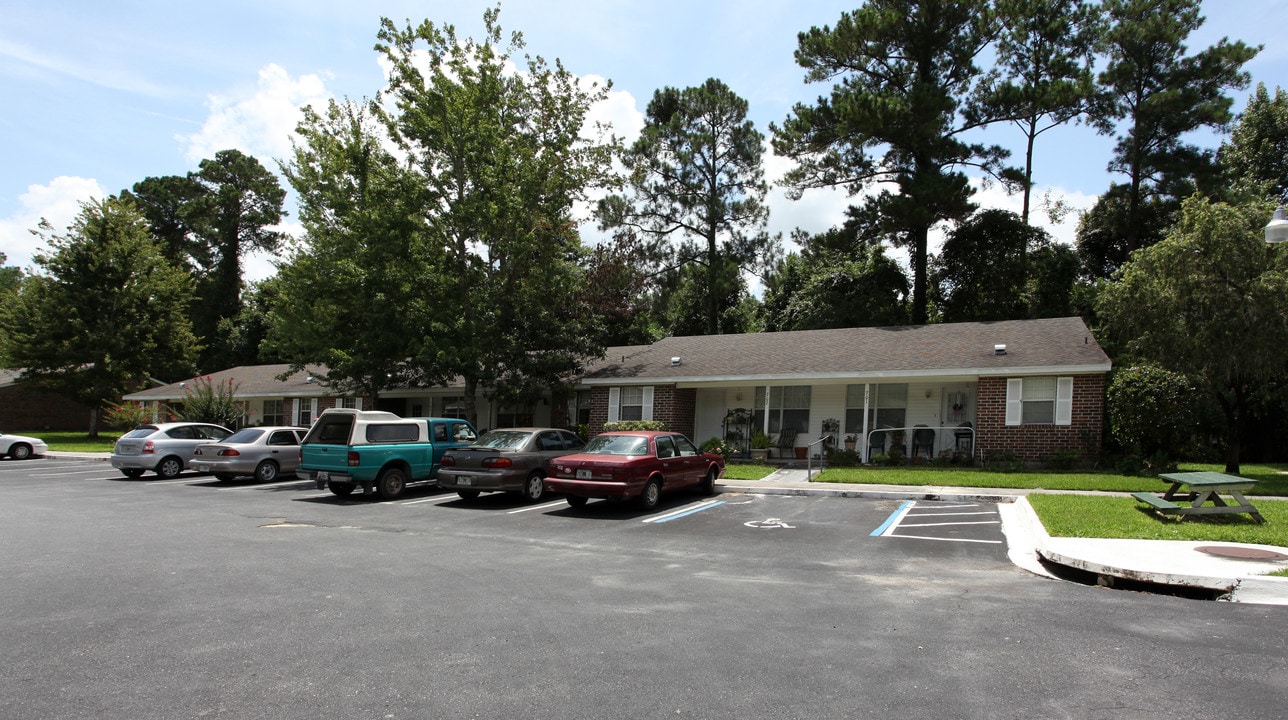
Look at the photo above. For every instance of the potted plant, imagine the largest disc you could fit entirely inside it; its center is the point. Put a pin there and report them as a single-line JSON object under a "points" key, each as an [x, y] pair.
{"points": [[831, 429], [896, 442], [760, 444], [850, 442]]}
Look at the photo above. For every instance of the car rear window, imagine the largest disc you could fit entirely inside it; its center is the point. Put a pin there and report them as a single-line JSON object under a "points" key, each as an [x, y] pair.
{"points": [[248, 435], [139, 432], [392, 432], [617, 445], [331, 430], [502, 439]]}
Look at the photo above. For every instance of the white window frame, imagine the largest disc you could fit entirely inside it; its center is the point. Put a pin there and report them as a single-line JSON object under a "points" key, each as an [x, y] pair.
{"points": [[1063, 413], [354, 403], [615, 403], [306, 411]]}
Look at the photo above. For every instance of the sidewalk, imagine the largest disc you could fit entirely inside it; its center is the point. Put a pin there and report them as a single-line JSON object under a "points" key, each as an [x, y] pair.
{"points": [[1234, 570]]}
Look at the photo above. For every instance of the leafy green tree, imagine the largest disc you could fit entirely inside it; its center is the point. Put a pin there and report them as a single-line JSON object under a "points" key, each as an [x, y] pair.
{"points": [[696, 175], [1153, 95], [1055, 285], [902, 73], [684, 300], [1103, 231], [1207, 301], [356, 294], [10, 281], [822, 288], [981, 273], [503, 160], [106, 311], [170, 205], [239, 204], [1043, 74], [1257, 152]]}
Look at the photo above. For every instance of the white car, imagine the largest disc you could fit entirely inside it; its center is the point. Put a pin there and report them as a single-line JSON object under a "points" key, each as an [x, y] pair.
{"points": [[21, 447]]}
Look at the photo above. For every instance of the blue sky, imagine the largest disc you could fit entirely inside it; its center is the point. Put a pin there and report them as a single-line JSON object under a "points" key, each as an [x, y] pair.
{"points": [[99, 95]]}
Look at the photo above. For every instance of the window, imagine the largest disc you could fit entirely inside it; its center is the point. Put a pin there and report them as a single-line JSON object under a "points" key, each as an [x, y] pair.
{"points": [[665, 447], [454, 407], [273, 414], [391, 433], [515, 416], [306, 411], [630, 403], [788, 408], [283, 437], [417, 410], [887, 406], [583, 407], [351, 403], [1039, 401]]}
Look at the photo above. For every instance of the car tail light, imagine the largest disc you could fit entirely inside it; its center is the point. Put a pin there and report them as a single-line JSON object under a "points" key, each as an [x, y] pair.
{"points": [[497, 462], [449, 461], [229, 452], [354, 460], [148, 448]]}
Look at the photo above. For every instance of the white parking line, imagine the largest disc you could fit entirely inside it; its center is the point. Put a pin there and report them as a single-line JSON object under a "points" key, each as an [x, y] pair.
{"points": [[942, 524], [436, 499], [542, 506], [919, 537], [949, 514], [686, 510]]}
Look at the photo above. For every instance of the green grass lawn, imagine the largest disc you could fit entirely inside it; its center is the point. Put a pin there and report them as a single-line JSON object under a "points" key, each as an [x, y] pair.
{"points": [[1085, 516], [1271, 479], [76, 441], [740, 471]]}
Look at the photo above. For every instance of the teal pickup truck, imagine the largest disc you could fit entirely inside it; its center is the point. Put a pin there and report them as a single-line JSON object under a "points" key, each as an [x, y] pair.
{"points": [[378, 451]]}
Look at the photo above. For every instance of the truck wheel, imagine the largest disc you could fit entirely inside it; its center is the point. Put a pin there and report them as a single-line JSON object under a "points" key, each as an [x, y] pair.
{"points": [[652, 493], [341, 489], [391, 483], [534, 488]]}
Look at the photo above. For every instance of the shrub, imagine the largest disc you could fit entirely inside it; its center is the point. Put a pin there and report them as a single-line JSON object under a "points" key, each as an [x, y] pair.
{"points": [[126, 416], [1151, 409], [843, 458], [718, 446], [628, 425], [205, 401], [1062, 460]]}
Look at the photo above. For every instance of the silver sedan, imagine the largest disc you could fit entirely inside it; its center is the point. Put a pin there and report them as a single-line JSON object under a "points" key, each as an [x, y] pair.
{"points": [[261, 452]]}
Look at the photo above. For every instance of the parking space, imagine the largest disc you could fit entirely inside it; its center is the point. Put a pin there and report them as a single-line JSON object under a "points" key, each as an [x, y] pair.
{"points": [[798, 526]]}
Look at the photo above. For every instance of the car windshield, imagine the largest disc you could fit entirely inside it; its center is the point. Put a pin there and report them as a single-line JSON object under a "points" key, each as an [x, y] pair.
{"points": [[247, 435], [139, 432], [617, 445], [502, 439]]}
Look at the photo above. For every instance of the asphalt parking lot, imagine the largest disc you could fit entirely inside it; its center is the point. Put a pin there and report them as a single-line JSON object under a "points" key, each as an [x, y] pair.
{"points": [[194, 598]]}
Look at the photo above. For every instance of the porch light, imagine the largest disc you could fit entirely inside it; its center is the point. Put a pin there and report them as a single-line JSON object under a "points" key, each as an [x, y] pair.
{"points": [[1277, 228]]}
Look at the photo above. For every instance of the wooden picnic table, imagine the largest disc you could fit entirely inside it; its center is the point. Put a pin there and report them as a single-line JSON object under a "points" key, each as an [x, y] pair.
{"points": [[1203, 486]]}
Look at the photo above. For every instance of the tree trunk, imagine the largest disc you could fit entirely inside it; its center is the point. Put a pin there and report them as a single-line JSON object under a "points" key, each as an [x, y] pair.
{"points": [[93, 423], [918, 236]]}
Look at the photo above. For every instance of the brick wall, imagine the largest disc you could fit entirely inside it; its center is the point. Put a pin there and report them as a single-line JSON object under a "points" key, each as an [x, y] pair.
{"points": [[25, 406], [1035, 443], [677, 407]]}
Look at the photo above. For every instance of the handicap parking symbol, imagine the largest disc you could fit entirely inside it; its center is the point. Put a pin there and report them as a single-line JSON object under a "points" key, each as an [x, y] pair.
{"points": [[769, 524]]}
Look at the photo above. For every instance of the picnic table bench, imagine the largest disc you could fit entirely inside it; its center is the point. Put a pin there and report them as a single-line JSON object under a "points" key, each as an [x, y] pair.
{"points": [[1203, 486]]}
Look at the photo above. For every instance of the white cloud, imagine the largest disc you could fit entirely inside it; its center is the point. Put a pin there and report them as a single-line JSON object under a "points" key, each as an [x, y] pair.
{"points": [[258, 123], [58, 202]]}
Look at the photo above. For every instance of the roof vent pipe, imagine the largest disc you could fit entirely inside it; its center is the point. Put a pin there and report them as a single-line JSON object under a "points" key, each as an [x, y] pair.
{"points": [[999, 349]]}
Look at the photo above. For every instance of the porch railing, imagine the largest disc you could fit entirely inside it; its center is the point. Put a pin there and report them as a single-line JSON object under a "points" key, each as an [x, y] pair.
{"points": [[809, 457], [907, 431]]}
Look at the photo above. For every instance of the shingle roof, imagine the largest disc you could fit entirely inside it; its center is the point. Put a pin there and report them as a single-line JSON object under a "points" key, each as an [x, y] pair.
{"points": [[952, 349], [251, 381]]}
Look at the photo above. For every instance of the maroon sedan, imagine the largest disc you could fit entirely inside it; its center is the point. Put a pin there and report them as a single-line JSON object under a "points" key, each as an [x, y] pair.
{"points": [[641, 465]]}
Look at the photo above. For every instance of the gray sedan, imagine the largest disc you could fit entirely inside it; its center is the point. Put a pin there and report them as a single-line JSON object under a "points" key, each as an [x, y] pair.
{"points": [[261, 452], [512, 460]]}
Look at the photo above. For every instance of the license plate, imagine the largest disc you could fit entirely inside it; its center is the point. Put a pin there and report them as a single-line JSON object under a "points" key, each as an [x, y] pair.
{"points": [[203, 468], [324, 475], [464, 480], [583, 473]]}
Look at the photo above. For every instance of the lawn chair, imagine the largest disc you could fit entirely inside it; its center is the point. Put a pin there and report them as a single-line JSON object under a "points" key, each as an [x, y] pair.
{"points": [[786, 441], [876, 443], [923, 438]]}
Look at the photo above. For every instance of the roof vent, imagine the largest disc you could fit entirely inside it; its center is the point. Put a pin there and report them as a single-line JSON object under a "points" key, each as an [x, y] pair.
{"points": [[675, 361], [309, 380], [999, 349]]}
